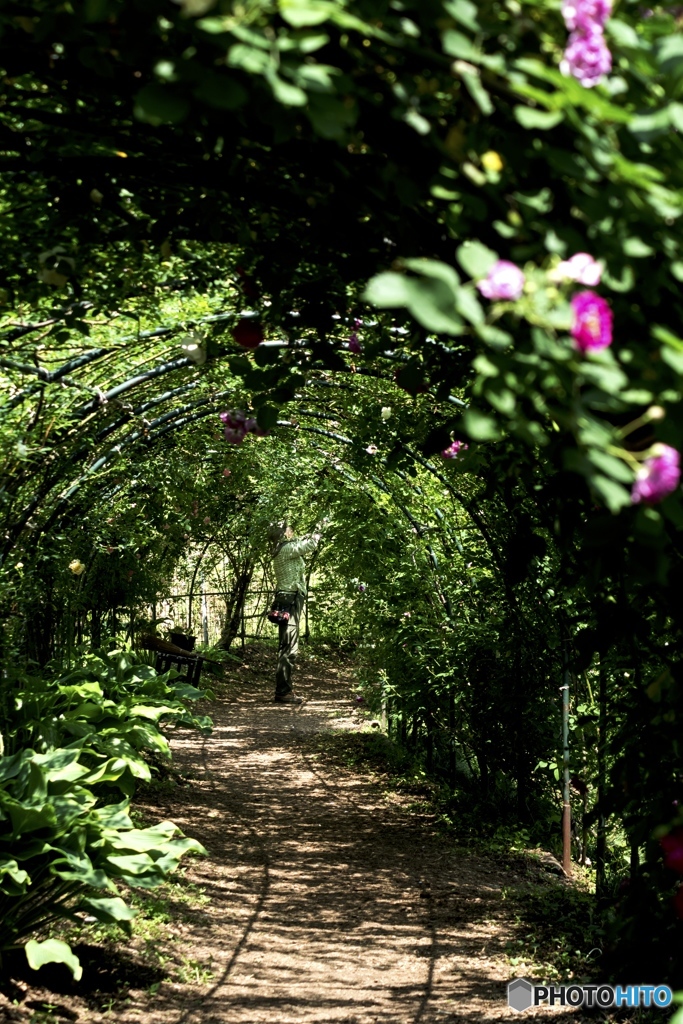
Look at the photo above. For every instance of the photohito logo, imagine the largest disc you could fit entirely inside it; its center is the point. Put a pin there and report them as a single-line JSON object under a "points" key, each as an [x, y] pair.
{"points": [[522, 994]]}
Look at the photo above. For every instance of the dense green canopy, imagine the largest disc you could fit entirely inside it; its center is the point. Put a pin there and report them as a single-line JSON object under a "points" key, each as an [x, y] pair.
{"points": [[286, 208]]}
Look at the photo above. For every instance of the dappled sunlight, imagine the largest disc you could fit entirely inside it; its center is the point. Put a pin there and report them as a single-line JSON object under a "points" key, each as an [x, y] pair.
{"points": [[327, 902]]}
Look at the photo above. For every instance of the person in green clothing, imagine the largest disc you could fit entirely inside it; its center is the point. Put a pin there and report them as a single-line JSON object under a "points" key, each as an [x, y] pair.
{"points": [[290, 575]]}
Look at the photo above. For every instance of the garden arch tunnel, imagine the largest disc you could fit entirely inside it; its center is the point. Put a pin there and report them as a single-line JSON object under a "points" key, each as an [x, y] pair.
{"points": [[86, 430]]}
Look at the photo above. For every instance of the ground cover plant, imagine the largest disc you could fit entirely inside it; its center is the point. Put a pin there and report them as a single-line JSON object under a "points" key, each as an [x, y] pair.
{"points": [[73, 752], [416, 265]]}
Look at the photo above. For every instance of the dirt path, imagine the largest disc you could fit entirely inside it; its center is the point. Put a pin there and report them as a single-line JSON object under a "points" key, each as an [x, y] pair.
{"points": [[328, 902]]}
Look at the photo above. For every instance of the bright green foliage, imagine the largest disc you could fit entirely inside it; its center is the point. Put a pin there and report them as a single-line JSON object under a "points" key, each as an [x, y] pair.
{"points": [[75, 749], [169, 168]]}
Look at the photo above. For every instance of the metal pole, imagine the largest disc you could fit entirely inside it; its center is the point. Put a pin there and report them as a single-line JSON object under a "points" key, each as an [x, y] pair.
{"points": [[205, 613], [601, 845], [566, 805]]}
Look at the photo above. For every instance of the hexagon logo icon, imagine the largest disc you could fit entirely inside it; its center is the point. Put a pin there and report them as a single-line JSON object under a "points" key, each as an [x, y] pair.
{"points": [[520, 994]]}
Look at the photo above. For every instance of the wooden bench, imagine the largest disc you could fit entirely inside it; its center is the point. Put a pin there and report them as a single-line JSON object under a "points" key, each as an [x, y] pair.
{"points": [[171, 656]]}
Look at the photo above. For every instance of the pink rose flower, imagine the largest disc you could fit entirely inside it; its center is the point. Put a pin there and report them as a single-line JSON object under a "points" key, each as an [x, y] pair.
{"points": [[586, 14], [587, 57], [453, 449], [592, 326], [581, 268], [673, 850], [503, 281], [659, 476], [354, 344], [235, 425]]}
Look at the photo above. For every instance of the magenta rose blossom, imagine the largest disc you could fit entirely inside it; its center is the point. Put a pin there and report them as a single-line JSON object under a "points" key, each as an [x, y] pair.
{"points": [[592, 325], [585, 14], [659, 476], [673, 850], [587, 57], [453, 449], [237, 426], [354, 344], [503, 281]]}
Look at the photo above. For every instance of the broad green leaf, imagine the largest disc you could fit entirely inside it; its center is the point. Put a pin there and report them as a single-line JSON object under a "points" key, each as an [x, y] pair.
{"points": [[468, 305], [52, 951], [436, 269], [13, 879], [266, 418], [464, 12], [636, 247], [160, 104], [455, 44], [221, 91], [413, 118], [613, 494], [495, 337], [649, 126], [610, 465], [284, 92], [303, 13], [431, 300], [529, 117], [475, 258], [109, 910], [249, 58], [480, 426], [471, 77]]}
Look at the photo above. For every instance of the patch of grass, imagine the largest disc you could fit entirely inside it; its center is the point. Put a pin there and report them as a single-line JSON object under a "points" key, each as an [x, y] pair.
{"points": [[369, 753], [194, 972], [154, 933], [557, 936]]}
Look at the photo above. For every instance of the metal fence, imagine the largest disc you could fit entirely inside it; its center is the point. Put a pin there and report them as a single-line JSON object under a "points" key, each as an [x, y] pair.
{"points": [[202, 614]]}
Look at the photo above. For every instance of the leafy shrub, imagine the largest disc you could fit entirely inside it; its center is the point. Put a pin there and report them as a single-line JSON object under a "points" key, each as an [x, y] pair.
{"points": [[74, 753]]}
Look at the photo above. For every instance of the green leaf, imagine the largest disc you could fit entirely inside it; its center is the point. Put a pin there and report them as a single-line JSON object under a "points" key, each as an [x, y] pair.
{"points": [[284, 92], [648, 126], [221, 91], [159, 104], [468, 305], [464, 12], [455, 44], [249, 58], [480, 426], [529, 117], [472, 80], [613, 494], [330, 116], [436, 269], [636, 247], [610, 465], [267, 417], [52, 951], [413, 118], [302, 13], [670, 54], [494, 337], [475, 258], [13, 879], [109, 910], [431, 299]]}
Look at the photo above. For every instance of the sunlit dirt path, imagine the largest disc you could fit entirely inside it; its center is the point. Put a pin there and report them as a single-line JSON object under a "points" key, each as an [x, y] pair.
{"points": [[328, 902]]}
